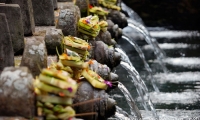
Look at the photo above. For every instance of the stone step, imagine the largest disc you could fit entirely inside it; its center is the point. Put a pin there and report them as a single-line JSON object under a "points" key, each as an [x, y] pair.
{"points": [[50, 59], [170, 36], [177, 78], [177, 82], [181, 87], [181, 114], [175, 100], [179, 64], [174, 50]]}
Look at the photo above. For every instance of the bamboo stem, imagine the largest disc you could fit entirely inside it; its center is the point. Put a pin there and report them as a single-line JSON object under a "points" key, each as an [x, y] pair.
{"points": [[86, 114], [85, 102]]}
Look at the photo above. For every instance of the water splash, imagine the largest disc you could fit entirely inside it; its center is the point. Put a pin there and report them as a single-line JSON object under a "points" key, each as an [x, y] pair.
{"points": [[134, 109], [151, 41], [123, 115], [141, 89], [131, 14], [141, 54]]}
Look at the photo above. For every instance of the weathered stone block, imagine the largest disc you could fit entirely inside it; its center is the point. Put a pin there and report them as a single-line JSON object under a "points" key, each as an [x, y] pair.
{"points": [[6, 51], [43, 11], [68, 19], [14, 18], [16, 92], [53, 38], [55, 4], [83, 5], [27, 14], [35, 54]]}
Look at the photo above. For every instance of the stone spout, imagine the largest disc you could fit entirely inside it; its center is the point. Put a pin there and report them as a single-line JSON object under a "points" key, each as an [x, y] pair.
{"points": [[104, 54], [105, 107]]}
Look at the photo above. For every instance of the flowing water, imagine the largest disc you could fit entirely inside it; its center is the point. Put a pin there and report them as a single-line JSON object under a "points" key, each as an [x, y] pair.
{"points": [[141, 88], [120, 114], [131, 14], [134, 109], [157, 51], [146, 65], [179, 85]]}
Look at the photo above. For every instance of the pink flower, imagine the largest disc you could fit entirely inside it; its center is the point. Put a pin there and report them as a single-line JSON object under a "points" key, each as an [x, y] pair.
{"points": [[69, 89], [108, 83], [88, 21]]}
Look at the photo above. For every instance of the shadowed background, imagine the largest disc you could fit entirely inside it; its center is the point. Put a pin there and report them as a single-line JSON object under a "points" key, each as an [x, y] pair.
{"points": [[173, 14]]}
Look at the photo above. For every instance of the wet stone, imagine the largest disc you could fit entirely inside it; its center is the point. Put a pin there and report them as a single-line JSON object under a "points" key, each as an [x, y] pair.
{"points": [[43, 11], [35, 54], [67, 21], [27, 14], [106, 38], [104, 107], [53, 38], [118, 18], [14, 18], [16, 92], [104, 54], [6, 51], [114, 30]]}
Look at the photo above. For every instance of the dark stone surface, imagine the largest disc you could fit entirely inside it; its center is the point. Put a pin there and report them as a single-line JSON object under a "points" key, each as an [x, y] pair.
{"points": [[17, 93], [43, 11], [118, 18], [174, 14], [6, 49], [83, 5], [35, 54], [55, 4], [105, 37], [53, 38], [105, 107], [68, 19], [14, 18], [114, 30], [70, 5], [104, 54], [27, 14]]}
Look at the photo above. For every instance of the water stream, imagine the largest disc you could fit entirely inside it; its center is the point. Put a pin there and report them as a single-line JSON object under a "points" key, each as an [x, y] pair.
{"points": [[157, 51], [141, 87], [123, 115], [134, 109], [131, 14], [178, 98], [146, 65]]}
